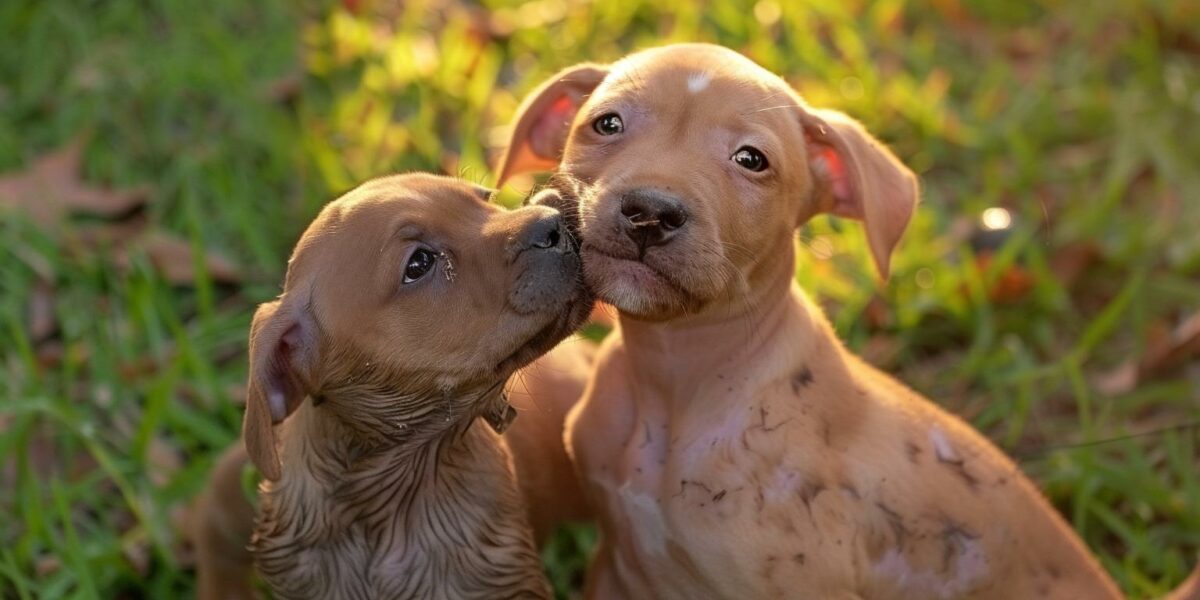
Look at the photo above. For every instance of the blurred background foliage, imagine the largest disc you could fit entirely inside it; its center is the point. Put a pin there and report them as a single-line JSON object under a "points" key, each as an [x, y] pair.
{"points": [[159, 158]]}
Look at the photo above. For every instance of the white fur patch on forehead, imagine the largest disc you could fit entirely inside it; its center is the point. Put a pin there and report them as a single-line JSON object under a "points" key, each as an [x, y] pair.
{"points": [[697, 82]]}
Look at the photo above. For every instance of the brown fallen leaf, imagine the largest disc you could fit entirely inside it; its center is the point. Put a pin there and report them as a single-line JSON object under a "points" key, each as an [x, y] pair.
{"points": [[1182, 345], [285, 89], [42, 323], [1164, 353], [172, 257], [163, 460], [881, 350], [51, 188], [46, 565], [1070, 261]]}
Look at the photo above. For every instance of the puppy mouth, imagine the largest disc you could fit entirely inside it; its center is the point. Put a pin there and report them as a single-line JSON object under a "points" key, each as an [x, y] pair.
{"points": [[600, 265], [563, 322]]}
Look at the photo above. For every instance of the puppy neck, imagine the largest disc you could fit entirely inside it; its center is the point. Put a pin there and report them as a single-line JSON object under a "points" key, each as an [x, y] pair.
{"points": [[319, 432], [732, 339], [376, 515]]}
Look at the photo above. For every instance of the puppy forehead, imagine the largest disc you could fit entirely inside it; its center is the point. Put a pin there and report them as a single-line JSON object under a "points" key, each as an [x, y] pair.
{"points": [[694, 65], [724, 87], [417, 201]]}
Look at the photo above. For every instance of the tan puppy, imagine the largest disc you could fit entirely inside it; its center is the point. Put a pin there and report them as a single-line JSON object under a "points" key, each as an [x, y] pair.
{"points": [[408, 304], [222, 520], [732, 446]]}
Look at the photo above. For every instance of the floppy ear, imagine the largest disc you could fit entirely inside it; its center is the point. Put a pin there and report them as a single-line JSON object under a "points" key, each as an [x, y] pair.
{"points": [[281, 342], [856, 176], [544, 121]]}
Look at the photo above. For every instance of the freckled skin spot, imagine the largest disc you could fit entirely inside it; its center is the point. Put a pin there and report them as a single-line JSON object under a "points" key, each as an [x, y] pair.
{"points": [[913, 452], [802, 379], [896, 522], [683, 487], [850, 491], [950, 459], [647, 438], [958, 467], [954, 538]]}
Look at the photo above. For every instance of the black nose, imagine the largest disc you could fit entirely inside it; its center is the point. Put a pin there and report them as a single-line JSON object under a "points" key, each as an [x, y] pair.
{"points": [[651, 217], [547, 232]]}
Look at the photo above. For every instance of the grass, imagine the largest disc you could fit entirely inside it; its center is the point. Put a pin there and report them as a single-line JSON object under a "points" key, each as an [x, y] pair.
{"points": [[1079, 118]]}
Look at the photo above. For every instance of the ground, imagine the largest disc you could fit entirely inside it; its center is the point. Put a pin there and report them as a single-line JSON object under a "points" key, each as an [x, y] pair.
{"points": [[158, 159]]}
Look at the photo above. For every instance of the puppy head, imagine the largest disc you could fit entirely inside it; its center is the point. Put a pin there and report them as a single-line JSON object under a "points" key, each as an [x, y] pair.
{"points": [[407, 304], [695, 167]]}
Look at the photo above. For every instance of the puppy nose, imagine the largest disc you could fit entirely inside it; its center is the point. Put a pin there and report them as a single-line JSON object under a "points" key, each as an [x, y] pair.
{"points": [[547, 232], [651, 217]]}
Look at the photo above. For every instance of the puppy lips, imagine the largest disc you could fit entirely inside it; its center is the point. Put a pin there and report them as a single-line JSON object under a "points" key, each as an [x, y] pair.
{"points": [[630, 284]]}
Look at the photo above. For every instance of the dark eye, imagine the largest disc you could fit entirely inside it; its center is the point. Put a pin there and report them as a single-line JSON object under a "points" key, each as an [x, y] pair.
{"points": [[748, 157], [420, 263], [609, 124]]}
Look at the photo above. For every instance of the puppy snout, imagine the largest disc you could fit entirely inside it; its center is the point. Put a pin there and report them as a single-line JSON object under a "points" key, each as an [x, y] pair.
{"points": [[545, 262], [547, 232], [651, 217]]}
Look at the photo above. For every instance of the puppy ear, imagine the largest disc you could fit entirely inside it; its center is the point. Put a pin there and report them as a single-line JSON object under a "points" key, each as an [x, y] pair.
{"points": [[281, 341], [856, 176], [544, 121]]}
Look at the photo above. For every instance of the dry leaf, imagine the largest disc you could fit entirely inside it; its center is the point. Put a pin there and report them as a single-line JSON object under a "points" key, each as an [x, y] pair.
{"points": [[285, 89], [42, 323], [172, 257], [1070, 261], [162, 461], [1164, 353], [50, 189], [136, 551], [877, 312], [880, 350], [46, 565], [1181, 345]]}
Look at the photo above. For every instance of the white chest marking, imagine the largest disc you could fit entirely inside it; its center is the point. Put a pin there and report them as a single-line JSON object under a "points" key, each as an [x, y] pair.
{"points": [[646, 518]]}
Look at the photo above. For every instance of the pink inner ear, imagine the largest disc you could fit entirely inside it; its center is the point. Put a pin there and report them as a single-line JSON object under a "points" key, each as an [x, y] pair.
{"points": [[561, 107], [837, 174], [545, 131]]}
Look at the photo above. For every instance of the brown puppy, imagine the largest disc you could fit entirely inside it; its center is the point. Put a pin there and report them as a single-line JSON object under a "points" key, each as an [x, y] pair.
{"points": [[408, 304], [732, 446], [222, 520]]}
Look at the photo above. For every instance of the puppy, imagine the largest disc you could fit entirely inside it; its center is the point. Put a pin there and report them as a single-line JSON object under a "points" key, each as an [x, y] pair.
{"points": [[732, 446], [221, 522], [407, 305]]}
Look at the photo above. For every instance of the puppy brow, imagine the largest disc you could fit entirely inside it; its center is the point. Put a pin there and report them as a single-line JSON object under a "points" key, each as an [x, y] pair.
{"points": [[406, 231]]}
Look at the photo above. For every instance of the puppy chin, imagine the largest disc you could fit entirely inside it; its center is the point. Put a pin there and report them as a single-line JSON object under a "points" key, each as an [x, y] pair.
{"points": [[634, 288], [557, 326]]}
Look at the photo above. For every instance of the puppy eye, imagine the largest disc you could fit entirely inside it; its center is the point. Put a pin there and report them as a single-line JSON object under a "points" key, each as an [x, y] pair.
{"points": [[609, 124], [419, 264], [748, 157]]}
